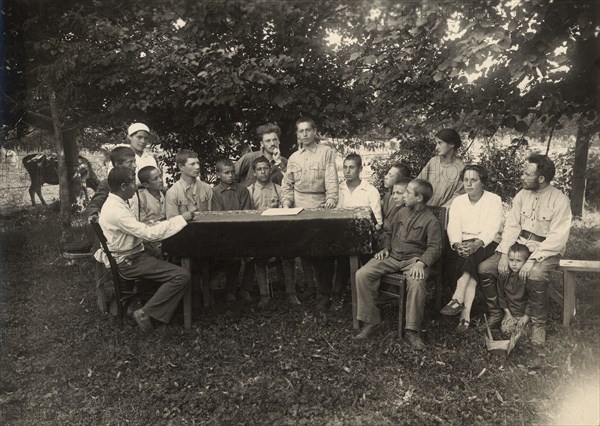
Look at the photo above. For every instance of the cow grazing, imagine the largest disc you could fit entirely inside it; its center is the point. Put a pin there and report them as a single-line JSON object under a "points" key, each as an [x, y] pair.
{"points": [[43, 168]]}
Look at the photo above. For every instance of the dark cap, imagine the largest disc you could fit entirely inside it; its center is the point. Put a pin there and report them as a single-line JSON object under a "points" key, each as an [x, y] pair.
{"points": [[450, 136]]}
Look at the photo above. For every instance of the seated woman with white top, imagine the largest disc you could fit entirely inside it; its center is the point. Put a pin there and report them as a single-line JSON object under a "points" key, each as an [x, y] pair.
{"points": [[474, 229]]}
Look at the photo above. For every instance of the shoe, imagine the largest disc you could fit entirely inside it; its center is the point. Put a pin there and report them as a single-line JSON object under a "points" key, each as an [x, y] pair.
{"points": [[454, 307], [463, 326], [292, 299], [143, 321], [244, 295], [322, 301], [538, 335], [263, 301], [414, 340], [367, 331], [230, 297], [337, 303]]}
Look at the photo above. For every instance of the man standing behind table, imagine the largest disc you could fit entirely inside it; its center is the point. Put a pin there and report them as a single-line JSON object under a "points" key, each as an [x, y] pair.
{"points": [[540, 219], [311, 181], [269, 148]]}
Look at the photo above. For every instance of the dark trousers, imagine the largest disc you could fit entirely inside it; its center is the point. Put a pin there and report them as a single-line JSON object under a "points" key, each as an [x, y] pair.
{"points": [[173, 280]]}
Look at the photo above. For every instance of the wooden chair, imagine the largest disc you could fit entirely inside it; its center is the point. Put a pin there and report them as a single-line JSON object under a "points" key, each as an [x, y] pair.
{"points": [[393, 286], [125, 288]]}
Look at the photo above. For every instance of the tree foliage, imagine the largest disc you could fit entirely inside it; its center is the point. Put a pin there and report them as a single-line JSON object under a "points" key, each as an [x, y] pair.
{"points": [[204, 74]]}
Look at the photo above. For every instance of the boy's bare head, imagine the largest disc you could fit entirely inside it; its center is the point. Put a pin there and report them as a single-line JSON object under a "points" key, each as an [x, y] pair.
{"points": [[517, 256], [397, 171], [226, 170], [398, 191], [150, 177], [418, 191], [262, 169], [123, 156], [188, 163]]}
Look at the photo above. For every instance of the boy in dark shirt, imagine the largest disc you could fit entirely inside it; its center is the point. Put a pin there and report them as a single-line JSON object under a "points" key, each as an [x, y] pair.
{"points": [[512, 292], [411, 246], [230, 195]]}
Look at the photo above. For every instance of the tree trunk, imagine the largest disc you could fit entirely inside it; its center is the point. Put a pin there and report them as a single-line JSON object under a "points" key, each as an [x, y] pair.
{"points": [[72, 162], [582, 146], [63, 175]]}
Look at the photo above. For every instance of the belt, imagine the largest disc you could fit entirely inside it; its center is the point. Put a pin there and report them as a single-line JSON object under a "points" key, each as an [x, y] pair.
{"points": [[531, 236], [309, 193]]}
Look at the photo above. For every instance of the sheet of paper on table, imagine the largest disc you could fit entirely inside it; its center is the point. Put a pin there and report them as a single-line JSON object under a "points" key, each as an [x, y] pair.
{"points": [[282, 212]]}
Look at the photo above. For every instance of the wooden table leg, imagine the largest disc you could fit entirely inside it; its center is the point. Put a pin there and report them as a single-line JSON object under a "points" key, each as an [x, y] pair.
{"points": [[204, 265], [353, 269], [187, 296], [569, 304]]}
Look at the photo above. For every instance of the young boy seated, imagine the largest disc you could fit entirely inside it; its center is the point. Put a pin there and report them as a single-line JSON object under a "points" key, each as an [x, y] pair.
{"points": [[125, 234], [513, 297], [230, 195], [411, 246], [151, 203], [265, 194], [189, 193]]}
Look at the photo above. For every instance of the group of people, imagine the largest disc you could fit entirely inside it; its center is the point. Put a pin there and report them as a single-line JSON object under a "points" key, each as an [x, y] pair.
{"points": [[509, 261]]}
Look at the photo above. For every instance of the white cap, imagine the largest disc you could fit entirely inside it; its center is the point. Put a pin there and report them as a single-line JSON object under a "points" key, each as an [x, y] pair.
{"points": [[136, 127]]}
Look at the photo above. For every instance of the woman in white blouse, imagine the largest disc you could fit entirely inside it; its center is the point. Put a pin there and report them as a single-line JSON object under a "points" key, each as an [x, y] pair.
{"points": [[474, 230]]}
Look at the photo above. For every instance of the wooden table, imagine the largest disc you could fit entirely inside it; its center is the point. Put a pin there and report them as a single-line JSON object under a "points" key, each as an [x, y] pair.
{"points": [[311, 233]]}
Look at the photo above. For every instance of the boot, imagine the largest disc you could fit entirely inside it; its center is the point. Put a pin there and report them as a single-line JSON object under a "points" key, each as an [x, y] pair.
{"points": [[539, 299], [490, 291]]}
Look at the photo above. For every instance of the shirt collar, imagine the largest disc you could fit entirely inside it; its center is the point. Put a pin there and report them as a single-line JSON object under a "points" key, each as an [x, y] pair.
{"points": [[222, 187], [118, 199], [541, 191], [312, 148]]}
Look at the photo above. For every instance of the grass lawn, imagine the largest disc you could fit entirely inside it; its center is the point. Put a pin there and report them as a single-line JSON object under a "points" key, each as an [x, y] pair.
{"points": [[62, 362]]}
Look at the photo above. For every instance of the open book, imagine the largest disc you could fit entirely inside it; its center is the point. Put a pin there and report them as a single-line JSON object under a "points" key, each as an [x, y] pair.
{"points": [[282, 212]]}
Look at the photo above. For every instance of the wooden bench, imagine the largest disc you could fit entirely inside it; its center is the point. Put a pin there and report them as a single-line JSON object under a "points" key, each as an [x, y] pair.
{"points": [[394, 285], [567, 299]]}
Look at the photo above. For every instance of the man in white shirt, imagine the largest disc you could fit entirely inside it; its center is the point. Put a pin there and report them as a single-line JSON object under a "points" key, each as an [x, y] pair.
{"points": [[354, 192], [125, 236]]}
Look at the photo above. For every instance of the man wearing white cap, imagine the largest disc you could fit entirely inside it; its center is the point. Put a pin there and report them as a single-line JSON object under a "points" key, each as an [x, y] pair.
{"points": [[137, 135]]}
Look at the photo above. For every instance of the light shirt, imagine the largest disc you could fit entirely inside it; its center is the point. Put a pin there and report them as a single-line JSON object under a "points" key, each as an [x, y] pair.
{"points": [[364, 194], [182, 197], [311, 178], [150, 208], [265, 196], [125, 234], [546, 213], [445, 179], [481, 220]]}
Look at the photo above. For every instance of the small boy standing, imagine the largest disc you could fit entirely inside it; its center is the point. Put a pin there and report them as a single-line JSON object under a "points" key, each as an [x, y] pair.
{"points": [[151, 203], [513, 296], [354, 192], [265, 194], [230, 195], [124, 235], [189, 193], [411, 246]]}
